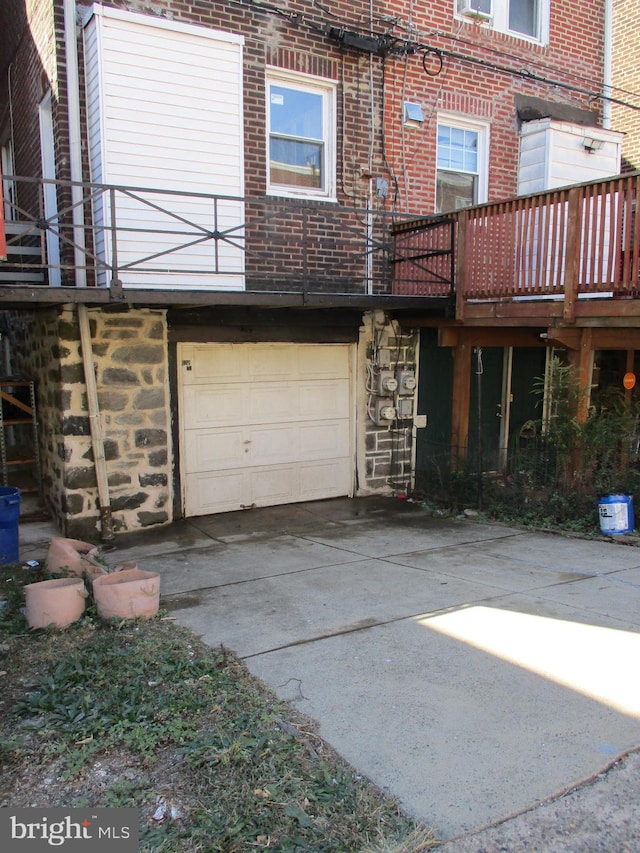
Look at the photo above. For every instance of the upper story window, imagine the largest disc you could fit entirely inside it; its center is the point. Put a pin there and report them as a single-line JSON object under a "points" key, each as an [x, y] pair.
{"points": [[462, 166], [301, 136], [528, 18]]}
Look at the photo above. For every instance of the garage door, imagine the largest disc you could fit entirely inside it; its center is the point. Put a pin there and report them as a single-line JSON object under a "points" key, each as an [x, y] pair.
{"points": [[264, 424]]}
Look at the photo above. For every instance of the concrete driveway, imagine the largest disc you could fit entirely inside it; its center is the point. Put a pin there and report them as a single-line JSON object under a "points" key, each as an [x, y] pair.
{"points": [[471, 670]]}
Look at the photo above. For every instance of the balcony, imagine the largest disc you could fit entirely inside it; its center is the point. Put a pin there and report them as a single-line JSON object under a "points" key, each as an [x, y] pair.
{"points": [[65, 241], [563, 256]]}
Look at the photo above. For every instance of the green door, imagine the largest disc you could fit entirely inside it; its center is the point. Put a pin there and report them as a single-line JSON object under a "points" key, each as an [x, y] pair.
{"points": [[527, 370], [435, 384], [485, 408]]}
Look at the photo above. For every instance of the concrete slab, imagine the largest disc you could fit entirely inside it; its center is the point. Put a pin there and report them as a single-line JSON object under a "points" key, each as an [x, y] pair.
{"points": [[567, 554], [485, 565], [460, 735], [272, 612], [395, 536], [221, 564], [300, 518], [34, 538], [174, 539], [603, 595]]}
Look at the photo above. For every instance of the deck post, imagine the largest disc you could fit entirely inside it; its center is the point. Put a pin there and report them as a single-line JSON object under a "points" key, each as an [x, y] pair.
{"points": [[582, 361], [460, 403], [460, 264], [572, 257]]}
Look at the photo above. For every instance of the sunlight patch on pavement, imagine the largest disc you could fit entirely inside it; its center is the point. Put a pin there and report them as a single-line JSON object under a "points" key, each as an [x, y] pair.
{"points": [[601, 663]]}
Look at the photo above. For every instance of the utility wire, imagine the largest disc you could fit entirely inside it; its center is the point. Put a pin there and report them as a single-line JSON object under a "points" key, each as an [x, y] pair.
{"points": [[530, 60], [400, 46], [522, 73]]}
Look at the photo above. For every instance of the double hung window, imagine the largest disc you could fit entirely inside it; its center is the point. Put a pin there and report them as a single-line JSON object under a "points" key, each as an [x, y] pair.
{"points": [[528, 18], [301, 136], [461, 177]]}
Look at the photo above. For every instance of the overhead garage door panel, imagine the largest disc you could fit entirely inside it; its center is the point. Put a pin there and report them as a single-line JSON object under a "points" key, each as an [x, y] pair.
{"points": [[245, 447], [263, 362], [268, 486], [264, 424], [209, 405]]}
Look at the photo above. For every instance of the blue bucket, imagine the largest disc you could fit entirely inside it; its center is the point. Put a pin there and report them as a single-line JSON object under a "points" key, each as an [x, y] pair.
{"points": [[9, 517], [616, 514]]}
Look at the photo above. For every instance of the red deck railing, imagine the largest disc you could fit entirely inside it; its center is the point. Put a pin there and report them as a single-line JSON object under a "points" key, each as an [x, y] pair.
{"points": [[569, 243]]}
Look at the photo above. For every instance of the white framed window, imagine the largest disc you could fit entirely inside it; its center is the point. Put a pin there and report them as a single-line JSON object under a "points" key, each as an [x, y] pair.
{"points": [[462, 163], [301, 135], [524, 18]]}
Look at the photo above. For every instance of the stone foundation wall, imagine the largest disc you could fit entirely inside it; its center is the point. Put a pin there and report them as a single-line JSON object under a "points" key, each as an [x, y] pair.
{"points": [[130, 361], [130, 358], [384, 449]]}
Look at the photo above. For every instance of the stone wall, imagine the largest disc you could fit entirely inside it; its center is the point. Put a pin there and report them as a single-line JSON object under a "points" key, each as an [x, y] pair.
{"points": [[384, 450], [130, 361]]}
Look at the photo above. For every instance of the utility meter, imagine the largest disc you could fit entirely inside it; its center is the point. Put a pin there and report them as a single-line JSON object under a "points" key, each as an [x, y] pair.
{"points": [[383, 411], [387, 382], [406, 380]]}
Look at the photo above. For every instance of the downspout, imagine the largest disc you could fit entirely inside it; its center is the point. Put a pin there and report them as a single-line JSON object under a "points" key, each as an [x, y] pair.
{"points": [[97, 439], [75, 141], [75, 165], [607, 62]]}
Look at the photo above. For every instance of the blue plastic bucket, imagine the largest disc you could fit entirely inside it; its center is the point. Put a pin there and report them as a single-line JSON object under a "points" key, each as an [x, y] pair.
{"points": [[9, 517], [616, 514]]}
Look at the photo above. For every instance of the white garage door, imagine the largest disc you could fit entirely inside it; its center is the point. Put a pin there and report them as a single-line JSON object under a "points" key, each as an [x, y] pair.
{"points": [[264, 424]]}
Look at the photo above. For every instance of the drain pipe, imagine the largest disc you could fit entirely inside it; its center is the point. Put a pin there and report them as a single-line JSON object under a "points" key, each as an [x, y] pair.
{"points": [[608, 51], [75, 141], [97, 439], [80, 264]]}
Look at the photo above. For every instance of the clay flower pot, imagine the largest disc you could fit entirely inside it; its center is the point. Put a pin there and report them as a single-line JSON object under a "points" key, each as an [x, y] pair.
{"points": [[71, 557], [57, 602], [127, 593]]}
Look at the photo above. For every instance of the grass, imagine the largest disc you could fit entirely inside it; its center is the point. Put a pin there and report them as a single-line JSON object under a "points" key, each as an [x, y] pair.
{"points": [[142, 714]]}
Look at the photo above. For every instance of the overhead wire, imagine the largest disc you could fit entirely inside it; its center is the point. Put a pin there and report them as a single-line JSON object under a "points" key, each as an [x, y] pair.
{"points": [[532, 61], [399, 46]]}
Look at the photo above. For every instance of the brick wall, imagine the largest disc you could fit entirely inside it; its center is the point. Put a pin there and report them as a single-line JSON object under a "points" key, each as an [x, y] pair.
{"points": [[574, 56], [372, 141], [626, 75]]}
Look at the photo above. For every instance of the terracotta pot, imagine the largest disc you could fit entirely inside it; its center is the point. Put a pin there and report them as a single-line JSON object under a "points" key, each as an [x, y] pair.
{"points": [[127, 594], [57, 602], [71, 557]]}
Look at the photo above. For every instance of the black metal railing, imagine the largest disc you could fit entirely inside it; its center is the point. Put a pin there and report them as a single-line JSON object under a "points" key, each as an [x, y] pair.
{"points": [[123, 237]]}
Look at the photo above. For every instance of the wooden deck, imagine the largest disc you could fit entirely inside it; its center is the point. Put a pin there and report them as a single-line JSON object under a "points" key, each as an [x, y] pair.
{"points": [[566, 255]]}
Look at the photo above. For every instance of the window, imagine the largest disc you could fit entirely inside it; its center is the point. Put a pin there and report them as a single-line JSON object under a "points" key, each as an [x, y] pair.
{"points": [[528, 18], [301, 130], [461, 177]]}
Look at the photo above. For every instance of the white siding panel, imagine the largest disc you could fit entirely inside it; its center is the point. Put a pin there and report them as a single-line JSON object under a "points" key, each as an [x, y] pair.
{"points": [[162, 126]]}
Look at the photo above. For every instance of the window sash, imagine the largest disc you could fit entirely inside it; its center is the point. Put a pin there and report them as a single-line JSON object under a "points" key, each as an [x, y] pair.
{"points": [[299, 122], [461, 163], [522, 17]]}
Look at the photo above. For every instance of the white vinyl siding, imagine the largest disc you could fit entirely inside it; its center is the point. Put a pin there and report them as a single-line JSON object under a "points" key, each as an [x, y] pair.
{"points": [[165, 113], [552, 154], [264, 424]]}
